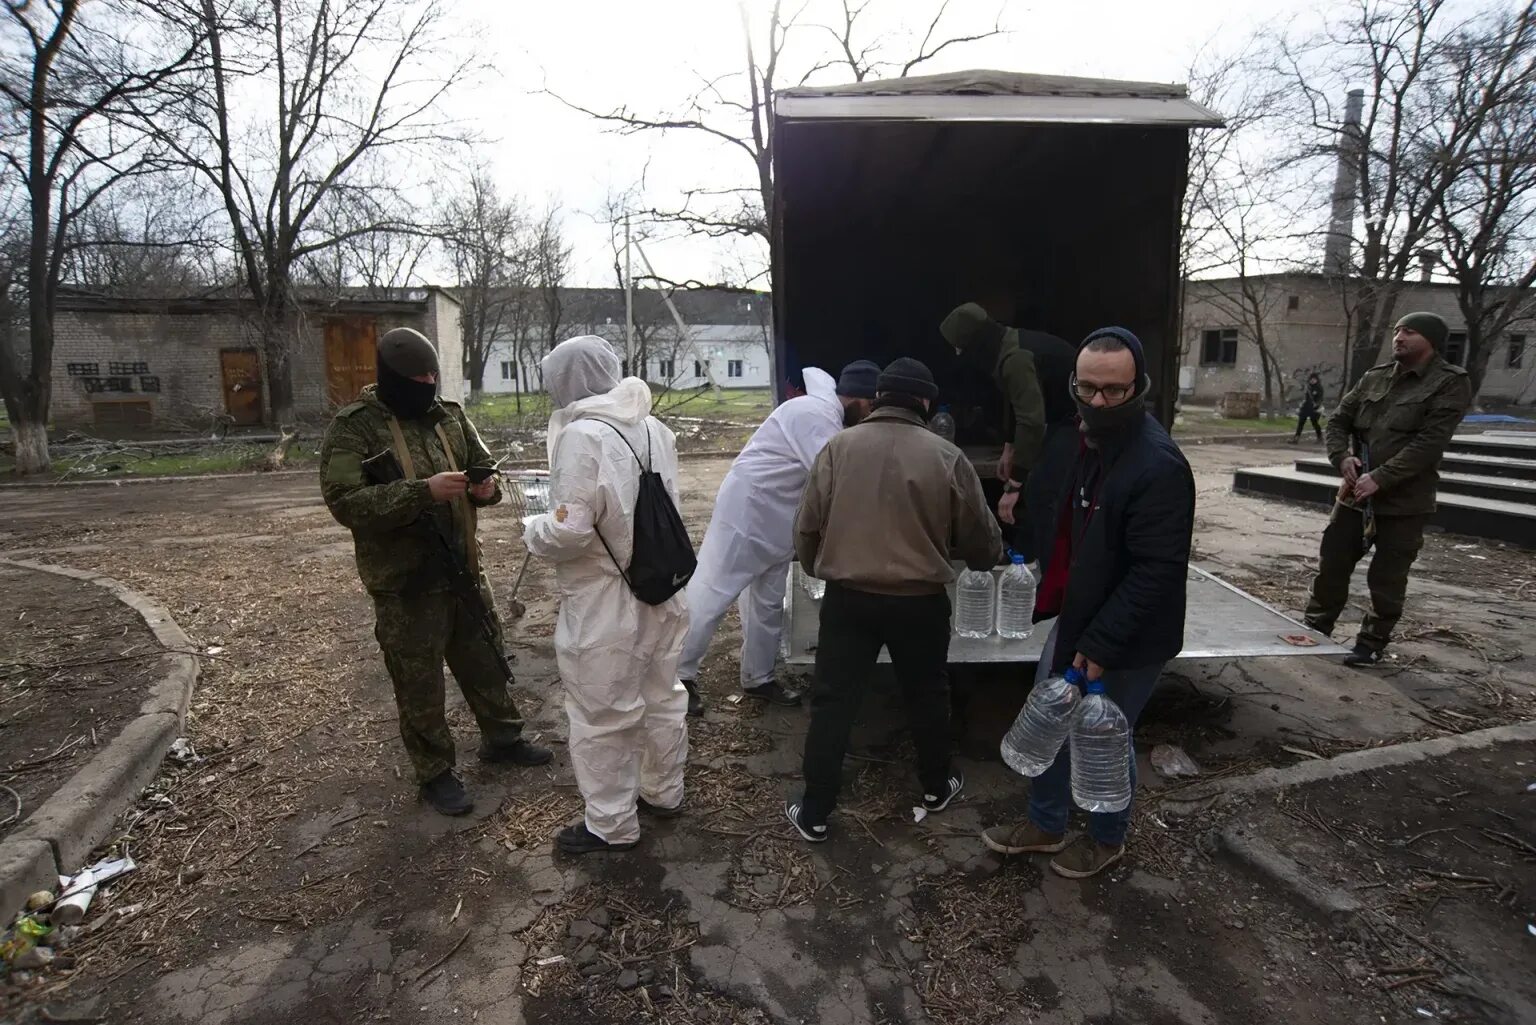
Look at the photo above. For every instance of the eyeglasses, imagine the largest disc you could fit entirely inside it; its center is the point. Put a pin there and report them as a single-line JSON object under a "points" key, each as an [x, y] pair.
{"points": [[1111, 392]]}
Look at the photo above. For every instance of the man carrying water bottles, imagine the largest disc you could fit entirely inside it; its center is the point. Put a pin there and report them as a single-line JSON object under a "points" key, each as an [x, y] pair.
{"points": [[1114, 580], [888, 505]]}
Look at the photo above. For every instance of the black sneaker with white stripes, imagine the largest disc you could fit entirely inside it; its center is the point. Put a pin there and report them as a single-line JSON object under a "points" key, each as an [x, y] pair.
{"points": [[938, 802], [796, 816]]}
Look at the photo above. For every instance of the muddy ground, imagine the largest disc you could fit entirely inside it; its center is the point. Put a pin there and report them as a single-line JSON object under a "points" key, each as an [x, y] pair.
{"points": [[294, 871], [75, 664]]}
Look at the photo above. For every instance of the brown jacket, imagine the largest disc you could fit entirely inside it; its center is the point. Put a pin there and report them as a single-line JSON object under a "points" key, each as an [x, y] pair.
{"points": [[889, 505]]}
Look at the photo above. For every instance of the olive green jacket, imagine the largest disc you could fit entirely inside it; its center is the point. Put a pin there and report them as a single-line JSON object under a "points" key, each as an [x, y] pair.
{"points": [[1405, 418], [390, 523], [1012, 368]]}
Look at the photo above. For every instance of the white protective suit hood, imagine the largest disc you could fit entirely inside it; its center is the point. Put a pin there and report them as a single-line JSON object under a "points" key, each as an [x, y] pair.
{"points": [[582, 377]]}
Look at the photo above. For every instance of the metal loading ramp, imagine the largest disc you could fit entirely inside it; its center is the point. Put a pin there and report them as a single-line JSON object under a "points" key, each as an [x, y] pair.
{"points": [[1220, 621]]}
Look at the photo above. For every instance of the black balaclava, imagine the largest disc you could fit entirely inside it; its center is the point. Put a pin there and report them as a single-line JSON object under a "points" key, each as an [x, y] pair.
{"points": [[1102, 423], [404, 354], [972, 332]]}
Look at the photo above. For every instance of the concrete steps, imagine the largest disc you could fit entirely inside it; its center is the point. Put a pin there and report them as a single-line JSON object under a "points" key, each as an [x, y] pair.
{"points": [[1487, 486]]}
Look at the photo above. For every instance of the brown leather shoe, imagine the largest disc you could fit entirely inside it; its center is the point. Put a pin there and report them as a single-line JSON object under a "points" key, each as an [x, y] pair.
{"points": [[1085, 858], [1023, 838]]}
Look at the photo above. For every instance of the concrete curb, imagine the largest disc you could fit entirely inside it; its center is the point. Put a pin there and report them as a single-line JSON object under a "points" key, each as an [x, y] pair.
{"points": [[57, 838], [1335, 907]]}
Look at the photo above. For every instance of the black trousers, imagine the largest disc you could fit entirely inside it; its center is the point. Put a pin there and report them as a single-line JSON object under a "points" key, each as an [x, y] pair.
{"points": [[854, 627], [1304, 416]]}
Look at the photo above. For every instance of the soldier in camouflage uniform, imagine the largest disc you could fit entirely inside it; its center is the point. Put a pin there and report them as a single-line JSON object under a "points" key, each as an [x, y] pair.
{"points": [[418, 620], [1386, 438]]}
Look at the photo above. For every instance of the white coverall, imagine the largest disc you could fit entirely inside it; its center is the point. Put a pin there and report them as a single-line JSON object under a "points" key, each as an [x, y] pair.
{"points": [[617, 655], [749, 545]]}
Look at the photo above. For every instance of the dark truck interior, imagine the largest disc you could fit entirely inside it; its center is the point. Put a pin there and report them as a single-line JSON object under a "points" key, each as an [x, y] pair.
{"points": [[885, 226]]}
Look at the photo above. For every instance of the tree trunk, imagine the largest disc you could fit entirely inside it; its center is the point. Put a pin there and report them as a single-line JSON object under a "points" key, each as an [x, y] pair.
{"points": [[1365, 347], [31, 439], [1476, 361]]}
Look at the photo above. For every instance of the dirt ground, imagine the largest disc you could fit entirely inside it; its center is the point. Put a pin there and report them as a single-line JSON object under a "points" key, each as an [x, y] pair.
{"points": [[294, 871], [75, 664]]}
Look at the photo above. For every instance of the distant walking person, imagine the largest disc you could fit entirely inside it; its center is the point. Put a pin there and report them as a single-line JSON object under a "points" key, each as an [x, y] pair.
{"points": [[1311, 407], [1386, 438]]}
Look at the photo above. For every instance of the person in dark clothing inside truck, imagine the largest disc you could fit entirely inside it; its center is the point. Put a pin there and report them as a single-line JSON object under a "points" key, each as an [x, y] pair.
{"points": [[1038, 411], [1115, 581]]}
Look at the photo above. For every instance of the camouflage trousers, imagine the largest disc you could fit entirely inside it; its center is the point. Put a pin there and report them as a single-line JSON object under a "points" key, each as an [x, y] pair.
{"points": [[416, 634], [1398, 540]]}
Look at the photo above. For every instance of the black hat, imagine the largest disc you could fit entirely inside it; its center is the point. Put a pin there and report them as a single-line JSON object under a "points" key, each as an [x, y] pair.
{"points": [[908, 376], [1430, 325], [858, 379], [1127, 338], [408, 353]]}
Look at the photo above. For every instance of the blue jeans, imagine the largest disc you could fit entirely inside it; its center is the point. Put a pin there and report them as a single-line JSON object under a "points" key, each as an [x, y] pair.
{"points": [[1050, 794]]}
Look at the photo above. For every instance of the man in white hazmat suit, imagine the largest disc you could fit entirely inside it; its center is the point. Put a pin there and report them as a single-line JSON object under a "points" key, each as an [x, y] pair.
{"points": [[748, 547], [617, 655]]}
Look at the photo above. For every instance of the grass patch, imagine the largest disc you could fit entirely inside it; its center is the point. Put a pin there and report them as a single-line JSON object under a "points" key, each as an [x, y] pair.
{"points": [[731, 404], [138, 462], [1203, 421]]}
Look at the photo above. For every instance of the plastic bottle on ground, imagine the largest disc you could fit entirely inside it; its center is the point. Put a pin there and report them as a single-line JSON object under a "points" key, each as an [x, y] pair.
{"points": [[1101, 753], [1016, 601], [1036, 736], [975, 604]]}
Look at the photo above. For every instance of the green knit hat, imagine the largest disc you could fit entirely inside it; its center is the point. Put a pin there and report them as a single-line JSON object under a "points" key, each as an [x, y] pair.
{"points": [[965, 325], [1430, 325]]}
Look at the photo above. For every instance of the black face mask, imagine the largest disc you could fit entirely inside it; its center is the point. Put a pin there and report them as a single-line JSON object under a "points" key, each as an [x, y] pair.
{"points": [[1104, 422], [406, 398]]}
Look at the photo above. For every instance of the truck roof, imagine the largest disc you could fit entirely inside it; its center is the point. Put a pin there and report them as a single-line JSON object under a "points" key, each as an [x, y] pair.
{"points": [[998, 96]]}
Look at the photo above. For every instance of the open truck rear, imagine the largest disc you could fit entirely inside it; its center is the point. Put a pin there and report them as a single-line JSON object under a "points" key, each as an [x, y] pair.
{"points": [[1054, 202]]}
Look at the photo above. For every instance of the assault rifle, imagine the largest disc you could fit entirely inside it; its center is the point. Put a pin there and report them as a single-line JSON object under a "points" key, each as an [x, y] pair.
{"points": [[384, 468]]}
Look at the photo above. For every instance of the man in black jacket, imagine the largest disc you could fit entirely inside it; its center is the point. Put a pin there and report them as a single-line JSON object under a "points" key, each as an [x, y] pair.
{"points": [[1115, 580]]}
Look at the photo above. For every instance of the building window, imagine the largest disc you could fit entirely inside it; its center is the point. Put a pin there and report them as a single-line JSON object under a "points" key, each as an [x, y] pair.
{"points": [[733, 368], [698, 367], [1218, 347], [1516, 355], [1293, 303], [1456, 348], [508, 370], [666, 369]]}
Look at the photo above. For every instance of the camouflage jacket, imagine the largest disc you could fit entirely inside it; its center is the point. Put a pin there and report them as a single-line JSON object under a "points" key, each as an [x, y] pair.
{"points": [[1404, 418], [391, 523]]}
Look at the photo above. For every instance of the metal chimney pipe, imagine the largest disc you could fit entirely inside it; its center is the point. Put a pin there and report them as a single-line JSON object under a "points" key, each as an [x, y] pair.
{"points": [[1427, 260], [1341, 220]]}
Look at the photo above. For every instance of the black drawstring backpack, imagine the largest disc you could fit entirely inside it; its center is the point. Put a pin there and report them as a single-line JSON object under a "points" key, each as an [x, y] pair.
{"points": [[662, 560]]}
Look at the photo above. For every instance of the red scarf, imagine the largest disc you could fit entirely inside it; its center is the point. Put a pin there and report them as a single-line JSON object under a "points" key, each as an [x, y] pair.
{"points": [[1052, 593]]}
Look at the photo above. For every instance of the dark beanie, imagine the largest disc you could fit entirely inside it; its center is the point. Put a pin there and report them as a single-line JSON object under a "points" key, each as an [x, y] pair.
{"points": [[858, 379], [408, 353], [1131, 342], [908, 376], [1430, 325], [968, 324]]}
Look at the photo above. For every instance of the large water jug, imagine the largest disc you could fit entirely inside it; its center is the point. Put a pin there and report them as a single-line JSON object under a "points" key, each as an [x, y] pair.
{"points": [[1036, 736], [1101, 753], [943, 424], [1016, 601], [975, 603], [814, 587]]}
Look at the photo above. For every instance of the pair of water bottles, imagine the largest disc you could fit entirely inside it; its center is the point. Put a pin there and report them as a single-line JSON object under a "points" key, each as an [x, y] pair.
{"points": [[1058, 711], [1007, 605]]}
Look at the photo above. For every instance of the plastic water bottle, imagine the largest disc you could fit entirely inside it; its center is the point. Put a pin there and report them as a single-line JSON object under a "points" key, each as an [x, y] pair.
{"points": [[943, 424], [812, 586], [975, 604], [1101, 753], [1036, 736], [1016, 601]]}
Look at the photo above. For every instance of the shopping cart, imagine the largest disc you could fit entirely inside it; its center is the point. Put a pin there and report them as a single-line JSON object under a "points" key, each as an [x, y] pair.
{"points": [[526, 492]]}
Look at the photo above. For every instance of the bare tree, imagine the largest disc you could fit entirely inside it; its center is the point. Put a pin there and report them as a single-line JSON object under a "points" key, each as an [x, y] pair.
{"points": [[67, 76], [736, 110], [1412, 142], [1486, 219], [335, 97], [149, 244], [491, 245]]}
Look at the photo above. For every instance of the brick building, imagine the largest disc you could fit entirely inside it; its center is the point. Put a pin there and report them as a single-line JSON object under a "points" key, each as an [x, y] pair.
{"points": [[137, 363], [1303, 320]]}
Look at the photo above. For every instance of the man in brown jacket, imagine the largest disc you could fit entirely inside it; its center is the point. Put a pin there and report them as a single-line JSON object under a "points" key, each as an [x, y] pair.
{"points": [[888, 507]]}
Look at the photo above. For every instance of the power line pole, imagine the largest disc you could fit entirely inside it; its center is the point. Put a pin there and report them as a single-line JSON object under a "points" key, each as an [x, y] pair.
{"points": [[629, 306]]}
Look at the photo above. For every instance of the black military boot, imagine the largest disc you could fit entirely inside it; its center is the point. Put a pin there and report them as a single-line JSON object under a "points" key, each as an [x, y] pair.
{"points": [[446, 794], [513, 752], [1363, 656], [695, 702]]}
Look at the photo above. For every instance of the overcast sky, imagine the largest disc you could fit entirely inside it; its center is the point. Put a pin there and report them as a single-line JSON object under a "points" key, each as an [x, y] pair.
{"points": [[652, 55]]}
